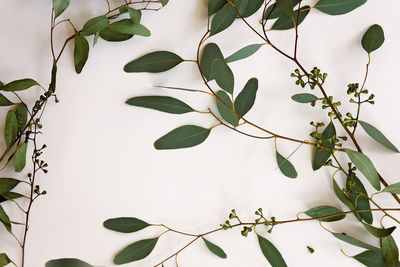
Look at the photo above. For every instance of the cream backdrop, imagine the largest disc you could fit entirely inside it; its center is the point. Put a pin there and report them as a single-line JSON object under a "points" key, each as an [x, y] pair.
{"points": [[101, 155]]}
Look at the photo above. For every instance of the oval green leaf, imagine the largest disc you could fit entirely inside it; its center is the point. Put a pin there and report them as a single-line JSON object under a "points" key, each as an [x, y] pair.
{"points": [[136, 251], [223, 75], [94, 25], [365, 166], [271, 253], [67, 263], [287, 23], [244, 53], [354, 242], [246, 98], [286, 7], [22, 117], [4, 260], [379, 232], [183, 137], [215, 249], [9, 196], [304, 98], [226, 113], [211, 52], [11, 128], [135, 15], [342, 196], [252, 7], [20, 158], [286, 166], [5, 220], [112, 36], [394, 188], [328, 142], [4, 101], [160, 103], [373, 38], [154, 62], [127, 26], [324, 211], [81, 53], [359, 197], [223, 19], [60, 6], [19, 85], [273, 12], [371, 258], [390, 251], [338, 7], [377, 135], [215, 5], [125, 224], [7, 184]]}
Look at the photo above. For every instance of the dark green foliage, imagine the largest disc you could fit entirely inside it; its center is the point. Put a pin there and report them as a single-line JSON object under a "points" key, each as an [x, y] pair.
{"points": [[67, 263], [125, 224], [183, 137], [338, 7], [390, 251], [286, 166], [4, 219], [127, 26], [226, 113], [154, 62], [11, 128], [7, 184], [353, 241], [223, 75], [215, 249], [327, 144], [287, 23], [323, 211], [304, 98], [60, 6], [19, 85], [4, 260], [81, 52], [365, 166], [377, 135], [379, 232], [4, 101], [271, 253], [94, 25], [161, 103], [20, 158], [371, 258], [211, 52], [223, 19], [359, 197], [373, 38], [243, 53], [246, 98], [136, 251], [112, 36]]}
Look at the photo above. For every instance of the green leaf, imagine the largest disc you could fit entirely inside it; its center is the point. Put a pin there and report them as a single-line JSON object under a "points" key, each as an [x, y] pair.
{"points": [[355, 242], [136, 251], [322, 211], [379, 232], [81, 53], [328, 142], [20, 158], [7, 184], [223, 19], [358, 196], [286, 6], [277, 12], [211, 52], [53, 82], [4, 101], [243, 53], [241, 6], [164, 2], [365, 166], [11, 128], [126, 26], [215, 5], [286, 23], [94, 25], [5, 220], [9, 196], [112, 36], [371, 258], [183, 137], [394, 188], [125, 225], [154, 62], [4, 260], [19, 85], [373, 38], [215, 249], [223, 75], [60, 6], [252, 7], [246, 98], [338, 7], [22, 117], [304, 98], [135, 15], [377, 135], [390, 251], [342, 196], [285, 166], [271, 253], [161, 103], [226, 113], [67, 263]]}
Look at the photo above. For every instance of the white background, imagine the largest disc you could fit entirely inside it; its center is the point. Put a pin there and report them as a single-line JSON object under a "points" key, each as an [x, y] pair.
{"points": [[101, 155]]}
